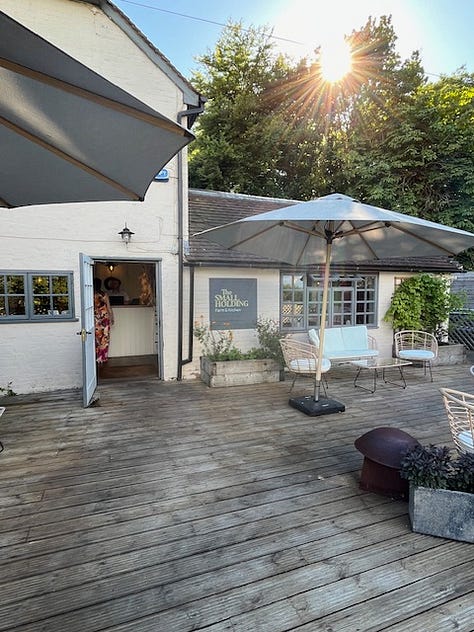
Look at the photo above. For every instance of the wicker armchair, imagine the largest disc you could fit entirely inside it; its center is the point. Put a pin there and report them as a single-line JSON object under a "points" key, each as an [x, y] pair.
{"points": [[301, 359], [417, 346], [460, 409]]}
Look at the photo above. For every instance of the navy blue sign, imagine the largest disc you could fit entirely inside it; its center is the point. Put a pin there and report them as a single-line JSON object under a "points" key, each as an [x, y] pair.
{"points": [[233, 303]]}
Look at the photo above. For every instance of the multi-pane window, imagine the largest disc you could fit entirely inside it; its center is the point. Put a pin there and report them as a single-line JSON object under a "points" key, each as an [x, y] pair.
{"points": [[36, 296], [352, 300]]}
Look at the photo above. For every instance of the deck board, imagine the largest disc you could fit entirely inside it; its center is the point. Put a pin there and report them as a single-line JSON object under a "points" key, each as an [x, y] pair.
{"points": [[175, 507]]}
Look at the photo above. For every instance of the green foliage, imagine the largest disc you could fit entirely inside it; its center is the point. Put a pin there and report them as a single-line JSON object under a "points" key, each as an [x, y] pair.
{"points": [[219, 346], [7, 391], [385, 135], [269, 335], [423, 302], [434, 467]]}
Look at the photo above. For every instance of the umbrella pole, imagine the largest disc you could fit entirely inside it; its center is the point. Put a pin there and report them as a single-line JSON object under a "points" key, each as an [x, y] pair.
{"points": [[315, 406], [322, 328]]}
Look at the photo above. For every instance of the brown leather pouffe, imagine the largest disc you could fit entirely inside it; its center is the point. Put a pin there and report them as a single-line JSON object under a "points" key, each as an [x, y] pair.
{"points": [[383, 449]]}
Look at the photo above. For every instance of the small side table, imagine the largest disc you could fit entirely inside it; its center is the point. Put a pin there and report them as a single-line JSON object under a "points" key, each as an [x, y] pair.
{"points": [[380, 366], [383, 449]]}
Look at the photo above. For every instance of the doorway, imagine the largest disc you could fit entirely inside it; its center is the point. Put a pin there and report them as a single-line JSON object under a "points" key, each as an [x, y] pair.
{"points": [[134, 349]]}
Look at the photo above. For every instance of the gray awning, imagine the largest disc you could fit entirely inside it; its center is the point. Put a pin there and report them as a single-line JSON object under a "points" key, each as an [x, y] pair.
{"points": [[68, 134]]}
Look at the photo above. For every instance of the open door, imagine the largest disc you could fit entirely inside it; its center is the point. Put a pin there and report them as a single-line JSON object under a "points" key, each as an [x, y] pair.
{"points": [[89, 371]]}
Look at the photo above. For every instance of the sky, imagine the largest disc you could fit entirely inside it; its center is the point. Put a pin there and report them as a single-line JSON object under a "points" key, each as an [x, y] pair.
{"points": [[440, 29]]}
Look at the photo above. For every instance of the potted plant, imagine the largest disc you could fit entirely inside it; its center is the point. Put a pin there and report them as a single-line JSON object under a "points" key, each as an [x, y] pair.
{"points": [[424, 302], [441, 492], [223, 364]]}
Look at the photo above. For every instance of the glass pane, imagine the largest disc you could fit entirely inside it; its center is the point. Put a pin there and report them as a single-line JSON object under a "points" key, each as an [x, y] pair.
{"points": [[298, 296], [41, 305], [16, 306], [59, 284], [3, 310], [16, 284], [299, 282], [2, 284], [287, 295], [61, 304], [40, 284], [287, 281]]}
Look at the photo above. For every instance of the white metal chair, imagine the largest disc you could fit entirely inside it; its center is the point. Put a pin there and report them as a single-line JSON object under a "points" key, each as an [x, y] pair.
{"points": [[472, 369], [460, 410], [417, 346], [301, 359]]}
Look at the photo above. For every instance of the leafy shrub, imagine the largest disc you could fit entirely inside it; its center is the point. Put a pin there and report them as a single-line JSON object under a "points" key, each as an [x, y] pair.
{"points": [[432, 466], [423, 302], [463, 473], [218, 346], [7, 391], [269, 335]]}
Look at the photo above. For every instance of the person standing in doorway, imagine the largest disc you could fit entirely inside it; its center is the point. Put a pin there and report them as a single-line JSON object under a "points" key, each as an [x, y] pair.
{"points": [[104, 319], [114, 291]]}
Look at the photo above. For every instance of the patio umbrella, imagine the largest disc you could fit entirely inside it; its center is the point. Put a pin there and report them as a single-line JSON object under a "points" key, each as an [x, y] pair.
{"points": [[336, 228], [68, 134]]}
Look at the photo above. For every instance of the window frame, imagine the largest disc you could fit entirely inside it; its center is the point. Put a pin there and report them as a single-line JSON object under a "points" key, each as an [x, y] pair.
{"points": [[311, 306], [30, 316]]}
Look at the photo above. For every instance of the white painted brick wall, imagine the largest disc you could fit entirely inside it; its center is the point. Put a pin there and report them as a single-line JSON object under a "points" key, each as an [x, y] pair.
{"points": [[47, 356]]}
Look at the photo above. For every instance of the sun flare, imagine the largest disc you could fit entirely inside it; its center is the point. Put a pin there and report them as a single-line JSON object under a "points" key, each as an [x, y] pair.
{"points": [[336, 61]]}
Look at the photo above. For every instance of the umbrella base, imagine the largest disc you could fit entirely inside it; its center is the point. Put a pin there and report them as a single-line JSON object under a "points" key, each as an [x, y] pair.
{"points": [[323, 406]]}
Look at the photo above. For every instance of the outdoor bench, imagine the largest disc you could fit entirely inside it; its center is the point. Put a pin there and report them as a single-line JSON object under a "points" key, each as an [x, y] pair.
{"points": [[343, 344]]}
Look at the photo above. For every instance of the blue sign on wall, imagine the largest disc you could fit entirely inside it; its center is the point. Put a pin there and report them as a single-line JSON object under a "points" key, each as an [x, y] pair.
{"points": [[233, 303], [162, 176]]}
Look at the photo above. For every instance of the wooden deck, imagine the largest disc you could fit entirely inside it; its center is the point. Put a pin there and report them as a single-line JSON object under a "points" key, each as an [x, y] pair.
{"points": [[175, 507]]}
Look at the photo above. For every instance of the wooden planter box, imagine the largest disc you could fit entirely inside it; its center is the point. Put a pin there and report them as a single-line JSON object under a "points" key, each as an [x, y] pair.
{"points": [[442, 512], [239, 372]]}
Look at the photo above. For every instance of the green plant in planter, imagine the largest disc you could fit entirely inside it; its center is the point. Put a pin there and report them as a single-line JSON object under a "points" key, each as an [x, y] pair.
{"points": [[432, 466], [218, 346], [7, 391], [441, 500], [423, 302], [269, 336]]}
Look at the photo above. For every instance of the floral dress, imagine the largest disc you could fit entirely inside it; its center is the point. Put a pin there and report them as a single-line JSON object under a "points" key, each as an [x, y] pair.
{"points": [[102, 314]]}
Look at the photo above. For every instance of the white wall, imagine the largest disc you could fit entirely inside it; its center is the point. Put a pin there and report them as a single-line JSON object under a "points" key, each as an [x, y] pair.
{"points": [[268, 305], [268, 297], [83, 31], [47, 356]]}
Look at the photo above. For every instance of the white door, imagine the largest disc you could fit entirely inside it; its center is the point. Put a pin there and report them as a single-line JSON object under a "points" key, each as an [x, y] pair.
{"points": [[89, 371]]}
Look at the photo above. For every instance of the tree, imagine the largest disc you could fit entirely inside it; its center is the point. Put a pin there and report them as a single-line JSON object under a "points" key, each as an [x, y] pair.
{"points": [[237, 142], [384, 134]]}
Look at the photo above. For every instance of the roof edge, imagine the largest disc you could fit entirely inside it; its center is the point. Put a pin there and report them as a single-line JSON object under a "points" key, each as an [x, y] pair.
{"points": [[190, 96], [242, 196]]}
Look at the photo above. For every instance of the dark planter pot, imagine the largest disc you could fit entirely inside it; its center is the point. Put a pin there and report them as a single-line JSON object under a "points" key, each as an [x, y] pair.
{"points": [[442, 512]]}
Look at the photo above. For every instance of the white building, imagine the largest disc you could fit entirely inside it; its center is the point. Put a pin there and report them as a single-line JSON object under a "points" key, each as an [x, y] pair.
{"points": [[42, 246]]}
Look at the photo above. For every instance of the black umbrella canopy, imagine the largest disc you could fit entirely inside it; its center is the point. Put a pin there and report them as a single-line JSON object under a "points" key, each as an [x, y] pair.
{"points": [[68, 134]]}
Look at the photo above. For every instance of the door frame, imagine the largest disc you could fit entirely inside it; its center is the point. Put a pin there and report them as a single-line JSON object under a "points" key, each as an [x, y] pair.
{"points": [[87, 332], [157, 263]]}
